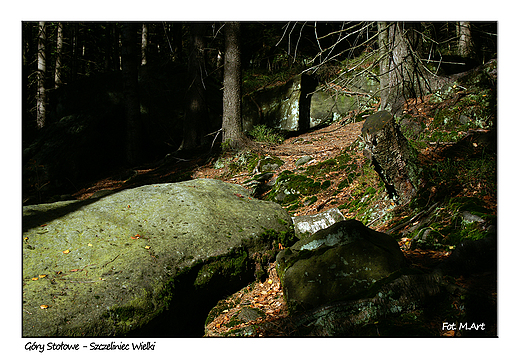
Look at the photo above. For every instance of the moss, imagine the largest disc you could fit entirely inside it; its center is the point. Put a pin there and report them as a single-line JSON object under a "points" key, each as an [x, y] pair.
{"points": [[310, 200], [322, 168], [325, 184], [228, 266], [290, 188], [347, 181]]}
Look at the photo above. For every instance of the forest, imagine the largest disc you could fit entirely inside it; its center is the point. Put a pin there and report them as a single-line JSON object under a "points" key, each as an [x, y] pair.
{"points": [[392, 124], [407, 60]]}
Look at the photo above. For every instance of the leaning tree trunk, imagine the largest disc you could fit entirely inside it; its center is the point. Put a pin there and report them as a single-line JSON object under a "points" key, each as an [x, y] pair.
{"points": [[392, 156]]}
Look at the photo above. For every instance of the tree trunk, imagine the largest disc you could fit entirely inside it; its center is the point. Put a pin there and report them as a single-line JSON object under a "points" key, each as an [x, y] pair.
{"points": [[75, 50], [144, 44], [383, 63], [464, 45], [194, 119], [129, 63], [41, 96], [59, 54], [392, 156], [233, 134], [404, 78]]}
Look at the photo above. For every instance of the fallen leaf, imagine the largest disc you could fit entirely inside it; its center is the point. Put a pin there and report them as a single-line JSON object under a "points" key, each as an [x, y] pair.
{"points": [[90, 244], [35, 278], [147, 247], [42, 275], [67, 251], [44, 306]]}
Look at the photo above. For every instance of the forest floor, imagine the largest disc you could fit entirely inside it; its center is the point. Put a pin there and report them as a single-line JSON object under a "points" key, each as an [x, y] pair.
{"points": [[322, 145], [457, 150]]}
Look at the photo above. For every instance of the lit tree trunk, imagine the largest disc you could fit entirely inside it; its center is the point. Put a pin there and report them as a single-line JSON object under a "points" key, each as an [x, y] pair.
{"points": [[233, 134], [40, 96], [144, 43], [464, 46], [129, 63], [405, 78], [59, 52], [194, 119], [112, 46], [75, 52], [383, 63]]}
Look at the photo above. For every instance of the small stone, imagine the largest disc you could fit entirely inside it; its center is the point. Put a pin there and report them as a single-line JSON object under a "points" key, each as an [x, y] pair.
{"points": [[303, 160], [469, 217]]}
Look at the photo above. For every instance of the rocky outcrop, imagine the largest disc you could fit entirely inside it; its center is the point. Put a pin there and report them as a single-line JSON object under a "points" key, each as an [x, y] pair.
{"points": [[336, 264], [301, 103], [149, 261], [285, 106]]}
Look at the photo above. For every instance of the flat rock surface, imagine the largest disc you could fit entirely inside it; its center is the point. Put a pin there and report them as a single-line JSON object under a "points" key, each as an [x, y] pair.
{"points": [[110, 265]]}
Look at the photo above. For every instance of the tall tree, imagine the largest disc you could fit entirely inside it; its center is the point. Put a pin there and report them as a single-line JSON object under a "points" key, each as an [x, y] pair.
{"points": [[59, 55], [382, 38], [144, 43], [41, 96], [233, 134], [404, 78], [75, 52], [129, 63], [195, 114], [464, 45], [112, 45]]}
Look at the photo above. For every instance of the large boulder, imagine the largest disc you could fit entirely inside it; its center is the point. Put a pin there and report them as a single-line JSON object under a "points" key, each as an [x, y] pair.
{"points": [[148, 261], [336, 264]]}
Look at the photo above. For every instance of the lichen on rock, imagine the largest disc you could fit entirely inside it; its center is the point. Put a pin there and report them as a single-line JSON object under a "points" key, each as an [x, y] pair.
{"points": [[336, 263], [144, 260]]}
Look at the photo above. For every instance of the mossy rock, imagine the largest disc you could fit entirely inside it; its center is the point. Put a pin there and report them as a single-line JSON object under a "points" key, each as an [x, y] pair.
{"points": [[336, 263], [148, 261], [268, 164], [290, 188]]}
